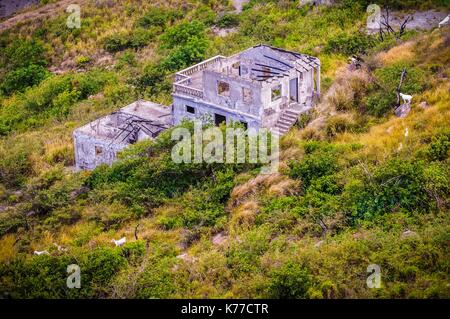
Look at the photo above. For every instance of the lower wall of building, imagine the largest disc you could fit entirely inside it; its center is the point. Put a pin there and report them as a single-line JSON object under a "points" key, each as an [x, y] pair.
{"points": [[91, 152], [206, 112]]}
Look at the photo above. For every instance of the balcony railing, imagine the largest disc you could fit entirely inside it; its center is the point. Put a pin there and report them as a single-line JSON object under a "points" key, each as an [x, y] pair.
{"points": [[182, 78], [182, 89]]}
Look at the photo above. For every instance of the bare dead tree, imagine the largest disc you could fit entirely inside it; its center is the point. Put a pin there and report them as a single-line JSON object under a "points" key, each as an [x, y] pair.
{"points": [[135, 231], [402, 77], [386, 23], [403, 25]]}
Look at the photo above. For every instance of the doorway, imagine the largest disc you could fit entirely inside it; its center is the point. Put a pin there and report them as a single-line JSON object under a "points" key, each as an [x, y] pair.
{"points": [[293, 90]]}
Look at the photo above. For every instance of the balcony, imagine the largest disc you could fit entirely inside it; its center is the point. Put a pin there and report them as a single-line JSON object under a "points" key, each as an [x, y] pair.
{"points": [[189, 81]]}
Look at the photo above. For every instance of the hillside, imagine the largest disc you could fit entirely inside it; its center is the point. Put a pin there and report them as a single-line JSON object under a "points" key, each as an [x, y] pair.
{"points": [[357, 184]]}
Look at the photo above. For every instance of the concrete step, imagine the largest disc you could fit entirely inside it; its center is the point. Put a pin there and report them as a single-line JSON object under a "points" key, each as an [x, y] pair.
{"points": [[282, 128], [288, 117], [287, 121], [293, 112]]}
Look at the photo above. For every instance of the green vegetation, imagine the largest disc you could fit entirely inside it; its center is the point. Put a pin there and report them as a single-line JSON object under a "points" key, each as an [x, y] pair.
{"points": [[356, 185]]}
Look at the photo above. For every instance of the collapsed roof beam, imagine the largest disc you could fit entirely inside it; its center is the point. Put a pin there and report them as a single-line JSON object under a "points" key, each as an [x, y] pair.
{"points": [[284, 63], [269, 66]]}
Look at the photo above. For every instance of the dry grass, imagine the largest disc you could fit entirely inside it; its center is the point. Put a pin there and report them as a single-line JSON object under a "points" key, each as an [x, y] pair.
{"points": [[402, 52], [7, 249], [274, 184], [243, 217]]}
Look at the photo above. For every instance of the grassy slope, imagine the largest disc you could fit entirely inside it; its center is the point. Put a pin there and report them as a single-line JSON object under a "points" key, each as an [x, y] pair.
{"points": [[275, 243]]}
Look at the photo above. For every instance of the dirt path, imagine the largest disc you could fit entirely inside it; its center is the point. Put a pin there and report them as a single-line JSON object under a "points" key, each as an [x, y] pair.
{"points": [[238, 4], [422, 20], [51, 9]]}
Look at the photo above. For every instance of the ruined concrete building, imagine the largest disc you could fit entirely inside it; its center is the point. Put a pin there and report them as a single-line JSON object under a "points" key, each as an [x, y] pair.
{"points": [[99, 142], [260, 87]]}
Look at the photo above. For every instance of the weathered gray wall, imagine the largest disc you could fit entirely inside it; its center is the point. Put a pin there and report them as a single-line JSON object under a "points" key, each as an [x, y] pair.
{"points": [[85, 155], [206, 111], [235, 99]]}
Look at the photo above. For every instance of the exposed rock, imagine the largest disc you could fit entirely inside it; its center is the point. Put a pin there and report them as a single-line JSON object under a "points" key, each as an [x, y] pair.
{"points": [[223, 32], [185, 257], [409, 234], [403, 110], [97, 96], [31, 213], [319, 243], [424, 105], [219, 239], [82, 190], [238, 4]]}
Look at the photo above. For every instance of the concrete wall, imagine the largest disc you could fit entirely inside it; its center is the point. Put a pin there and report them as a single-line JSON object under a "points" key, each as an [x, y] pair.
{"points": [[234, 100], [205, 111], [86, 156]]}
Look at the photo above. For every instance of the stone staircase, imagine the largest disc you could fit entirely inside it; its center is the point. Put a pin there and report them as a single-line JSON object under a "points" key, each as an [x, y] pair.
{"points": [[287, 119]]}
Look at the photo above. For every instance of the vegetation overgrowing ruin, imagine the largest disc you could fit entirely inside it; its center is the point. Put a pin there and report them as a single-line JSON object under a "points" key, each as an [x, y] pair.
{"points": [[357, 184]]}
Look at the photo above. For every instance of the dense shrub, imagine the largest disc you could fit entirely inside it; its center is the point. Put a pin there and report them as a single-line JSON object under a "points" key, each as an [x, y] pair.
{"points": [[192, 52], [120, 41], [291, 281], [319, 160], [228, 20], [22, 53], [52, 98], [15, 164], [350, 44], [24, 61], [158, 17], [438, 150], [19, 79], [382, 97], [398, 184], [180, 34]]}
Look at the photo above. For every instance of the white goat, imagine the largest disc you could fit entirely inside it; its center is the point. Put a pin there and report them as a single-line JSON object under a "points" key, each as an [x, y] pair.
{"points": [[119, 242], [43, 252], [406, 98], [445, 21]]}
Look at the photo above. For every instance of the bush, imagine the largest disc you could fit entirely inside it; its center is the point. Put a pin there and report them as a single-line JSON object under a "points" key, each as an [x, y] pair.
{"points": [[192, 52], [291, 281], [319, 160], [15, 164], [21, 78], [380, 103], [438, 150], [158, 17], [22, 53], [338, 124], [228, 20], [181, 34], [349, 44], [117, 42], [398, 184], [157, 280], [121, 41]]}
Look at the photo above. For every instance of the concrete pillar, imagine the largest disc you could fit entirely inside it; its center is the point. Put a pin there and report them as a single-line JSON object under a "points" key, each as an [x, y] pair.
{"points": [[318, 81]]}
